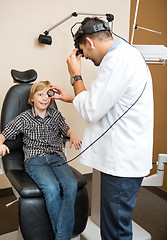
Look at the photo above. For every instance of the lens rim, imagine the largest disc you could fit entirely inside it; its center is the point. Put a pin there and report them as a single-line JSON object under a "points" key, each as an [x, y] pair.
{"points": [[50, 93]]}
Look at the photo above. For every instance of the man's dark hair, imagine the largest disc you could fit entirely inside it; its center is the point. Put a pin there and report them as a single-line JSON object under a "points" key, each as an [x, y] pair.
{"points": [[88, 23]]}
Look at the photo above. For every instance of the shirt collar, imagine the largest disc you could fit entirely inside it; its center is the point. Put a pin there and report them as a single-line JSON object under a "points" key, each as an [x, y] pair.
{"points": [[33, 112], [114, 46], [48, 113]]}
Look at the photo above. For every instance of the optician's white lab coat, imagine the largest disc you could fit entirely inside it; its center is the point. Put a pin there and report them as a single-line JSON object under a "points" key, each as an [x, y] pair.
{"points": [[126, 149]]}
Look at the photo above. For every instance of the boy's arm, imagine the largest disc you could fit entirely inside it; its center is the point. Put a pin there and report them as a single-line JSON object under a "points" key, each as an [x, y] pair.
{"points": [[74, 139], [3, 147]]}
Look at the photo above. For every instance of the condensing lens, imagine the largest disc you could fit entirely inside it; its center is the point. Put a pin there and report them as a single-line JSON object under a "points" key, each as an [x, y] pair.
{"points": [[50, 93]]}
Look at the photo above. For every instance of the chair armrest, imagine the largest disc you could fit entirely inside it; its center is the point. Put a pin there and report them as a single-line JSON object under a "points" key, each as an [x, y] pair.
{"points": [[24, 184], [65, 140], [26, 187]]}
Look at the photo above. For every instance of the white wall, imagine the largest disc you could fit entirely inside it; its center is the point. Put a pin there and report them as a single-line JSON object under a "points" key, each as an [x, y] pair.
{"points": [[22, 21]]}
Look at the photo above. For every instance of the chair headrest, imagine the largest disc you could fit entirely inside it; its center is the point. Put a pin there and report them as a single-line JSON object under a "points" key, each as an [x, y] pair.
{"points": [[24, 76]]}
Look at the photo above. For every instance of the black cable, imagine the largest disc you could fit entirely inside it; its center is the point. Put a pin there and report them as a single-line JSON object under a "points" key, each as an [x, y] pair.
{"points": [[105, 131], [61, 164], [119, 37], [110, 126]]}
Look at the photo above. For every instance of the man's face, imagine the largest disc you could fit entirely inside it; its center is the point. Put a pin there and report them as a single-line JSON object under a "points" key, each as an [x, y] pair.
{"points": [[90, 53]]}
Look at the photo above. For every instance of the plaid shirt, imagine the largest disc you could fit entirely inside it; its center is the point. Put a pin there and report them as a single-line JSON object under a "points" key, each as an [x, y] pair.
{"points": [[40, 136]]}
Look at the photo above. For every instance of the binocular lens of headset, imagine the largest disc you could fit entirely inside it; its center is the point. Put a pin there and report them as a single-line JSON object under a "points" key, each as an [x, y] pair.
{"points": [[80, 52], [51, 93]]}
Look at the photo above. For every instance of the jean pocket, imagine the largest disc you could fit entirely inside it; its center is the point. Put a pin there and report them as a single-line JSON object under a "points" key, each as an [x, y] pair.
{"points": [[29, 160]]}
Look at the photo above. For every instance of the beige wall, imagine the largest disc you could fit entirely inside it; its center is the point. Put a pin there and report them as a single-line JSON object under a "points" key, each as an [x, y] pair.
{"points": [[22, 21]]}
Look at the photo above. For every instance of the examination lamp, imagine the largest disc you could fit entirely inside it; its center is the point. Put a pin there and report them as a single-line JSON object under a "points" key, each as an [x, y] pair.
{"points": [[46, 39], [153, 54]]}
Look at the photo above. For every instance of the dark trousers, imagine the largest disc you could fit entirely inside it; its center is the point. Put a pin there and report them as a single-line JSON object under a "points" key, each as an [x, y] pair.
{"points": [[118, 199]]}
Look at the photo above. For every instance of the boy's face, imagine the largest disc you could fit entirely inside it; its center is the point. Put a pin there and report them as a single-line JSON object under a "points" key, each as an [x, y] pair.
{"points": [[41, 100]]}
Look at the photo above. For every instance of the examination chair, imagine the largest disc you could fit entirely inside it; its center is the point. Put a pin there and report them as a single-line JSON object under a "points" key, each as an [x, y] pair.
{"points": [[33, 217]]}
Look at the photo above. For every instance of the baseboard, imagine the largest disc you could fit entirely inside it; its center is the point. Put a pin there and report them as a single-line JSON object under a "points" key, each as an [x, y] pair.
{"points": [[6, 192], [158, 191]]}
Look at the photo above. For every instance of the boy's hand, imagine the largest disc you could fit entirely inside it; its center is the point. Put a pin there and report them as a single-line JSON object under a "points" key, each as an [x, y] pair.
{"points": [[3, 150], [76, 141]]}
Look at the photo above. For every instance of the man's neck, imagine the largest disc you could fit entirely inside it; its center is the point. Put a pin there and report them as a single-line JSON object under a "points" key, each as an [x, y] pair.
{"points": [[103, 48], [108, 45]]}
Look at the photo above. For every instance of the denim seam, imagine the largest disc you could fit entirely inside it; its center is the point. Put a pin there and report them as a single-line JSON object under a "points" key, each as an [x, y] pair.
{"points": [[118, 207]]}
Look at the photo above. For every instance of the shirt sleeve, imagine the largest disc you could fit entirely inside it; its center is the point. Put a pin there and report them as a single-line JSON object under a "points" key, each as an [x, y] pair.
{"points": [[63, 125], [13, 128], [108, 87]]}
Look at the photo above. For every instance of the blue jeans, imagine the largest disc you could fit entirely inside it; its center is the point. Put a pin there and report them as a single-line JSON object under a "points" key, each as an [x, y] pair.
{"points": [[118, 199], [59, 187]]}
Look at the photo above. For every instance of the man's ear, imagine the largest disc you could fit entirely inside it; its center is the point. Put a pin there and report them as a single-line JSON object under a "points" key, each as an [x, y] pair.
{"points": [[91, 42]]}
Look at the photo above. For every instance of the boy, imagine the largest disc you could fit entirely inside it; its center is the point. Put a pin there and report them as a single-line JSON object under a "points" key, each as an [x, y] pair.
{"points": [[42, 128]]}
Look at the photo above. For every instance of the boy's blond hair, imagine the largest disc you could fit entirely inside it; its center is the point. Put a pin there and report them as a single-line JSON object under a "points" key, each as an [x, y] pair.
{"points": [[38, 86]]}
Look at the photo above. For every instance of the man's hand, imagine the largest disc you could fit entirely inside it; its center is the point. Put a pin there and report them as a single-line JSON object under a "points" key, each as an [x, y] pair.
{"points": [[61, 94], [74, 63]]}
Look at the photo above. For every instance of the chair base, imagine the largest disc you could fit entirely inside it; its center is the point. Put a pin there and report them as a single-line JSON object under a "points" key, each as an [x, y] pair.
{"points": [[74, 238], [16, 235], [9, 236]]}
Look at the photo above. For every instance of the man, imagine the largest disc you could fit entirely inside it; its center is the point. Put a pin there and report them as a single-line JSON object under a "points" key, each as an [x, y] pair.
{"points": [[120, 96]]}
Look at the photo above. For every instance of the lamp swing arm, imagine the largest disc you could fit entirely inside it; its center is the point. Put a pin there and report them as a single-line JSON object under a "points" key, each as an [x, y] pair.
{"points": [[147, 29], [135, 26], [109, 17], [134, 23], [59, 23]]}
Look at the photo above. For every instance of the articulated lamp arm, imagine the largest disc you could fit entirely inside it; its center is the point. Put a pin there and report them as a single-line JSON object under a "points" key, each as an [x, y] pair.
{"points": [[46, 39]]}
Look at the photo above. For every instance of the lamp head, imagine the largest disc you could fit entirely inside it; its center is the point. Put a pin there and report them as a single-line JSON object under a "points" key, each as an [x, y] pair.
{"points": [[45, 39]]}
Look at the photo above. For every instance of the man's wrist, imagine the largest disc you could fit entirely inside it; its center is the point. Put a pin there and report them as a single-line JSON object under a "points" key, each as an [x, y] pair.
{"points": [[75, 79]]}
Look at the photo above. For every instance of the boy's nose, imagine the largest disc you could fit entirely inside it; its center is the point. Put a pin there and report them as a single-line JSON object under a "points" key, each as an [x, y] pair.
{"points": [[45, 96]]}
